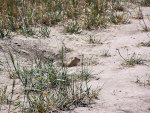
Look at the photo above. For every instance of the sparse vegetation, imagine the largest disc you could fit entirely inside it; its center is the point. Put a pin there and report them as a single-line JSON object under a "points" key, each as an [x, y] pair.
{"points": [[47, 88], [42, 86]]}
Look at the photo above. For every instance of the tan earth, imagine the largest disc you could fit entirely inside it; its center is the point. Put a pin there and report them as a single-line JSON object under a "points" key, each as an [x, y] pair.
{"points": [[120, 93]]}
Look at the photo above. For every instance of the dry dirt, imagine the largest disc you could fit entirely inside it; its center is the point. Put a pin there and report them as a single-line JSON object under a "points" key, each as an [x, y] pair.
{"points": [[120, 93]]}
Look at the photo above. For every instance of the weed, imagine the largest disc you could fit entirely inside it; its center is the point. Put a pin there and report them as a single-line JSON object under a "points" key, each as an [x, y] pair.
{"points": [[105, 53], [131, 61]]}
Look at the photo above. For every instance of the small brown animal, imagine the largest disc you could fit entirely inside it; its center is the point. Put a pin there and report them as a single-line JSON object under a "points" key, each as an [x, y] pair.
{"points": [[73, 62]]}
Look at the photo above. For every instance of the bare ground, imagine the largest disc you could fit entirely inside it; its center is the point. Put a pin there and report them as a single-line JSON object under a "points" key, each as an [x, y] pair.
{"points": [[120, 92]]}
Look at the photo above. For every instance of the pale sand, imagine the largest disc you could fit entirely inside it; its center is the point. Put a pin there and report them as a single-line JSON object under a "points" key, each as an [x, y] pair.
{"points": [[120, 93]]}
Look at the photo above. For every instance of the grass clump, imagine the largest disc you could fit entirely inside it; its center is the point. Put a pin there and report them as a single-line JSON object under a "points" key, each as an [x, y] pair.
{"points": [[47, 88], [105, 53], [133, 60]]}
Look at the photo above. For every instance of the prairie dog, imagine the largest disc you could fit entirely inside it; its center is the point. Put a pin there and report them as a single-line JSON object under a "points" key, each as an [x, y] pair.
{"points": [[73, 62]]}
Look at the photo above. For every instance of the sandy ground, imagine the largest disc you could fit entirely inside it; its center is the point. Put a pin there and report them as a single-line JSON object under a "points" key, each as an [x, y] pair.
{"points": [[120, 93]]}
